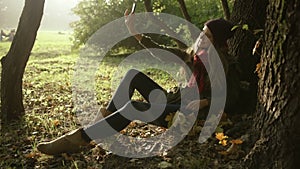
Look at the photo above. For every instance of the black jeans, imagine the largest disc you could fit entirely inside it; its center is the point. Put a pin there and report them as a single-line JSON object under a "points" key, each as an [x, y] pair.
{"points": [[121, 104]]}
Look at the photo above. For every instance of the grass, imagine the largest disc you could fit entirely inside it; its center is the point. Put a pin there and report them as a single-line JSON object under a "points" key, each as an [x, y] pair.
{"points": [[50, 113], [48, 101]]}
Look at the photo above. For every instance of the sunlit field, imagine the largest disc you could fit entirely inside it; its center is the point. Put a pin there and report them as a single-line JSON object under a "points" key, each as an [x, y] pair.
{"points": [[48, 103], [50, 113]]}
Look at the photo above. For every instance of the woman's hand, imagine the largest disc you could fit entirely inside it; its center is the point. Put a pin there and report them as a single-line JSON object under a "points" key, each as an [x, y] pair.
{"points": [[196, 105], [129, 21]]}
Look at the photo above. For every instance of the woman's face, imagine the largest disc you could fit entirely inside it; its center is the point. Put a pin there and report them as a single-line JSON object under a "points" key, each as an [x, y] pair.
{"points": [[205, 39]]}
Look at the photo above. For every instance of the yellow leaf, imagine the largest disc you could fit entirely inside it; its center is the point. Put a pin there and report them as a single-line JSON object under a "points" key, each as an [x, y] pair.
{"points": [[169, 117], [30, 155], [56, 122], [223, 142], [237, 141], [258, 70], [221, 136]]}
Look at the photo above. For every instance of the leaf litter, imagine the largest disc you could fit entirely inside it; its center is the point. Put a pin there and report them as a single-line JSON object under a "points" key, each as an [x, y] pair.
{"points": [[50, 113]]}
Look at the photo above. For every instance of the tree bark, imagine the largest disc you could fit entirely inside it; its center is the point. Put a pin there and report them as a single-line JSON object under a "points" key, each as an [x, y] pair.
{"points": [[14, 63], [186, 15], [226, 9], [148, 5], [278, 115], [184, 10], [252, 13]]}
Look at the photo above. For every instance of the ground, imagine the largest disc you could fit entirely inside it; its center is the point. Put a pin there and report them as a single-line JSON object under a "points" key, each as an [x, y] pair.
{"points": [[50, 113]]}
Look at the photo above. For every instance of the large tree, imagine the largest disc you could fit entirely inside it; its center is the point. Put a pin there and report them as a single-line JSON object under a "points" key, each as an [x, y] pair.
{"points": [[253, 14], [278, 113], [14, 63]]}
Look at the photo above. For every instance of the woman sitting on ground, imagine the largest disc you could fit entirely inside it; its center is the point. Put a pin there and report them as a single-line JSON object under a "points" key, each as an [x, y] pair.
{"points": [[217, 31]]}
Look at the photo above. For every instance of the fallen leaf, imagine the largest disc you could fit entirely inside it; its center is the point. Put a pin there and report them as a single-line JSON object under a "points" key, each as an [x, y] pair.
{"points": [[169, 117], [237, 141], [164, 164], [223, 142], [221, 136], [56, 123], [30, 155]]}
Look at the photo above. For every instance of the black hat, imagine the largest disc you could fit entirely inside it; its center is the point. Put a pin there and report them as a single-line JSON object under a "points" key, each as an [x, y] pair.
{"points": [[220, 29]]}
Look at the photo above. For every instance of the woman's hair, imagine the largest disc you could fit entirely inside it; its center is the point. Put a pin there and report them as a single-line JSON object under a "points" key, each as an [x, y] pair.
{"points": [[221, 30]]}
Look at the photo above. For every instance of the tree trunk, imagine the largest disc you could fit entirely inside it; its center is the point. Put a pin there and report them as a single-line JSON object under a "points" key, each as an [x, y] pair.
{"points": [[252, 13], [14, 63], [226, 9], [184, 10], [186, 16], [278, 117], [148, 5]]}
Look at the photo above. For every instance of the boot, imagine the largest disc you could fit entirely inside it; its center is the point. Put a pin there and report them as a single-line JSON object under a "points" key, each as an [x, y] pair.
{"points": [[68, 143]]}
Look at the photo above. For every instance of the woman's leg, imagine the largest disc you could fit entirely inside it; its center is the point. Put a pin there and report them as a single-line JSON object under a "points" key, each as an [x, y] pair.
{"points": [[132, 110], [133, 79], [72, 141], [108, 126]]}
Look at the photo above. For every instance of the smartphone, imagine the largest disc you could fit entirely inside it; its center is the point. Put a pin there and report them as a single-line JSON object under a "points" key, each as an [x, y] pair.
{"points": [[133, 8]]}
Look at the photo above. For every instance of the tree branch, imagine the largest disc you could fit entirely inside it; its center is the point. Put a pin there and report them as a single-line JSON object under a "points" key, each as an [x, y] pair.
{"points": [[226, 9]]}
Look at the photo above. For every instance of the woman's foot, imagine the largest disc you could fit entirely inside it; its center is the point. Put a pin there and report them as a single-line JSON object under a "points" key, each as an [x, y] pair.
{"points": [[68, 143]]}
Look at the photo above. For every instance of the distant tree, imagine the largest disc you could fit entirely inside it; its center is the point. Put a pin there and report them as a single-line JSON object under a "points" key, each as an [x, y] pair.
{"points": [[14, 63], [93, 15], [184, 10], [226, 9]]}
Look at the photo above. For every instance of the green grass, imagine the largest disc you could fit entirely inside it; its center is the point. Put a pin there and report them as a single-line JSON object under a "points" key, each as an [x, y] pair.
{"points": [[48, 101], [50, 113]]}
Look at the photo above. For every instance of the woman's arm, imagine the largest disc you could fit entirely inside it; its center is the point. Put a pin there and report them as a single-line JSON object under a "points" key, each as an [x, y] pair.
{"points": [[147, 42]]}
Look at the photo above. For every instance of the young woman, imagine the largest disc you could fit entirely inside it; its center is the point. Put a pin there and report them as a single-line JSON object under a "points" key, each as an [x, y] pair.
{"points": [[216, 31]]}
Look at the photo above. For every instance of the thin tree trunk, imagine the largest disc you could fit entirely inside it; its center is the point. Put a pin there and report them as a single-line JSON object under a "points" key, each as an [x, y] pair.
{"points": [[226, 9], [186, 16], [278, 116], [184, 10], [14, 63], [148, 5]]}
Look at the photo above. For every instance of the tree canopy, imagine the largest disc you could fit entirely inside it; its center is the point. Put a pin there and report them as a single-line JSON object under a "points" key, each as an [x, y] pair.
{"points": [[94, 14]]}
